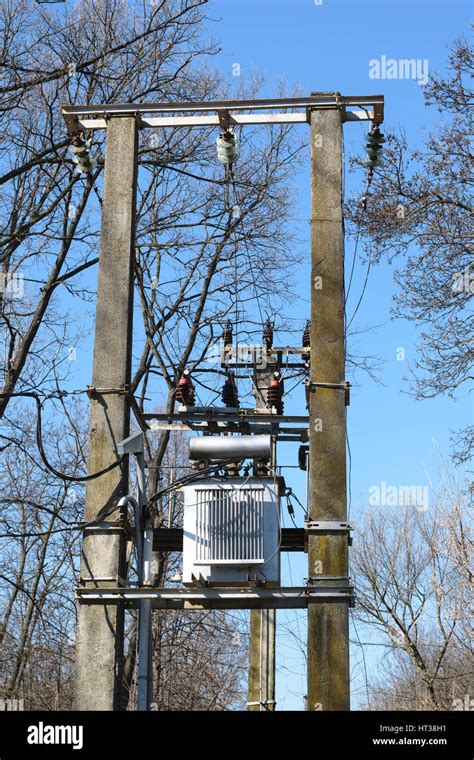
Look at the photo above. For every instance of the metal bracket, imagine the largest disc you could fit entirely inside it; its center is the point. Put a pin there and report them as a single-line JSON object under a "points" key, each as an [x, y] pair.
{"points": [[225, 119], [93, 391], [106, 579], [131, 445], [339, 582], [346, 387], [324, 526], [261, 703], [108, 527]]}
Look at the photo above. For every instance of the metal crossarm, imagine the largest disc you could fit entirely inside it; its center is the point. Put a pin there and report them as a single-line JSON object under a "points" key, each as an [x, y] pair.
{"points": [[211, 113], [296, 597]]}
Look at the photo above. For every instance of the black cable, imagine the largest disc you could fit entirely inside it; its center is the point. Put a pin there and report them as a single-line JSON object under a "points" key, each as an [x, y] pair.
{"points": [[189, 479], [361, 295], [39, 443], [357, 238], [290, 492]]}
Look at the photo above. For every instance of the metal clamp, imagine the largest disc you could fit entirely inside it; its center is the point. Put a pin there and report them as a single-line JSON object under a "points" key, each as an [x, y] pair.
{"points": [[340, 583], [324, 526], [107, 527], [93, 391], [118, 580], [346, 387]]}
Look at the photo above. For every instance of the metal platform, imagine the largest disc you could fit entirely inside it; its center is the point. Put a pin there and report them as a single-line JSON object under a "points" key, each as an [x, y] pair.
{"points": [[296, 597]]}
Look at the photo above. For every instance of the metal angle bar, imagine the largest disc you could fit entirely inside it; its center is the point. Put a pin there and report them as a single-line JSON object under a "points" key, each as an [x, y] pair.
{"points": [[290, 350], [155, 122], [367, 115], [75, 114], [211, 121], [224, 426], [229, 105], [242, 416], [297, 597]]}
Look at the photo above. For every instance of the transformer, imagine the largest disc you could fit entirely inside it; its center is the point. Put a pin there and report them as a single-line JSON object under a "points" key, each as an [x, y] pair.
{"points": [[232, 532]]}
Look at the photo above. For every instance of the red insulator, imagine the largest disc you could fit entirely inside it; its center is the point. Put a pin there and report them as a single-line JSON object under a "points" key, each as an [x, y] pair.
{"points": [[275, 394], [230, 395], [184, 391]]}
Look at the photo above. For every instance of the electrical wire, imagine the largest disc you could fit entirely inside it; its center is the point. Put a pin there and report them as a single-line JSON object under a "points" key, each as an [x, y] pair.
{"points": [[254, 281], [359, 226], [362, 294], [349, 477], [188, 479], [291, 493], [39, 443], [363, 659]]}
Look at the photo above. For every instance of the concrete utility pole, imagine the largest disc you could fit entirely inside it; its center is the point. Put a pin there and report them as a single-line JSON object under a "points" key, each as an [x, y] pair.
{"points": [[262, 663], [99, 648], [261, 690], [328, 624]]}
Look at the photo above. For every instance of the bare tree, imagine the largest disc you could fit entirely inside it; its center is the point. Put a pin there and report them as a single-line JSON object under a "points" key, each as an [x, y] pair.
{"points": [[413, 579], [204, 240], [419, 209]]}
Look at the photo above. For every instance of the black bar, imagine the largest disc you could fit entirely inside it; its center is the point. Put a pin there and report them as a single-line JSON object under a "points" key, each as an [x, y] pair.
{"points": [[171, 540]]}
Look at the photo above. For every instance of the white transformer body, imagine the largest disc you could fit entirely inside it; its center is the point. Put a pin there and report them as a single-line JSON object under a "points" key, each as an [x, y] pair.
{"points": [[231, 532]]}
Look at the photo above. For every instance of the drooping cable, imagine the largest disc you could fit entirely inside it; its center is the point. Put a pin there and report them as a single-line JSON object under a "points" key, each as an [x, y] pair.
{"points": [[44, 458]]}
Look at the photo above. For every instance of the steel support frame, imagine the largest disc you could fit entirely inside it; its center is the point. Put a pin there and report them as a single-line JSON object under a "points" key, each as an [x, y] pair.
{"points": [[295, 597], [82, 117], [92, 117]]}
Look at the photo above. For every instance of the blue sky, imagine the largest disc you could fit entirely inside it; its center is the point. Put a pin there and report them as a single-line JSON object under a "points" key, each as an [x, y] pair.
{"points": [[328, 46]]}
